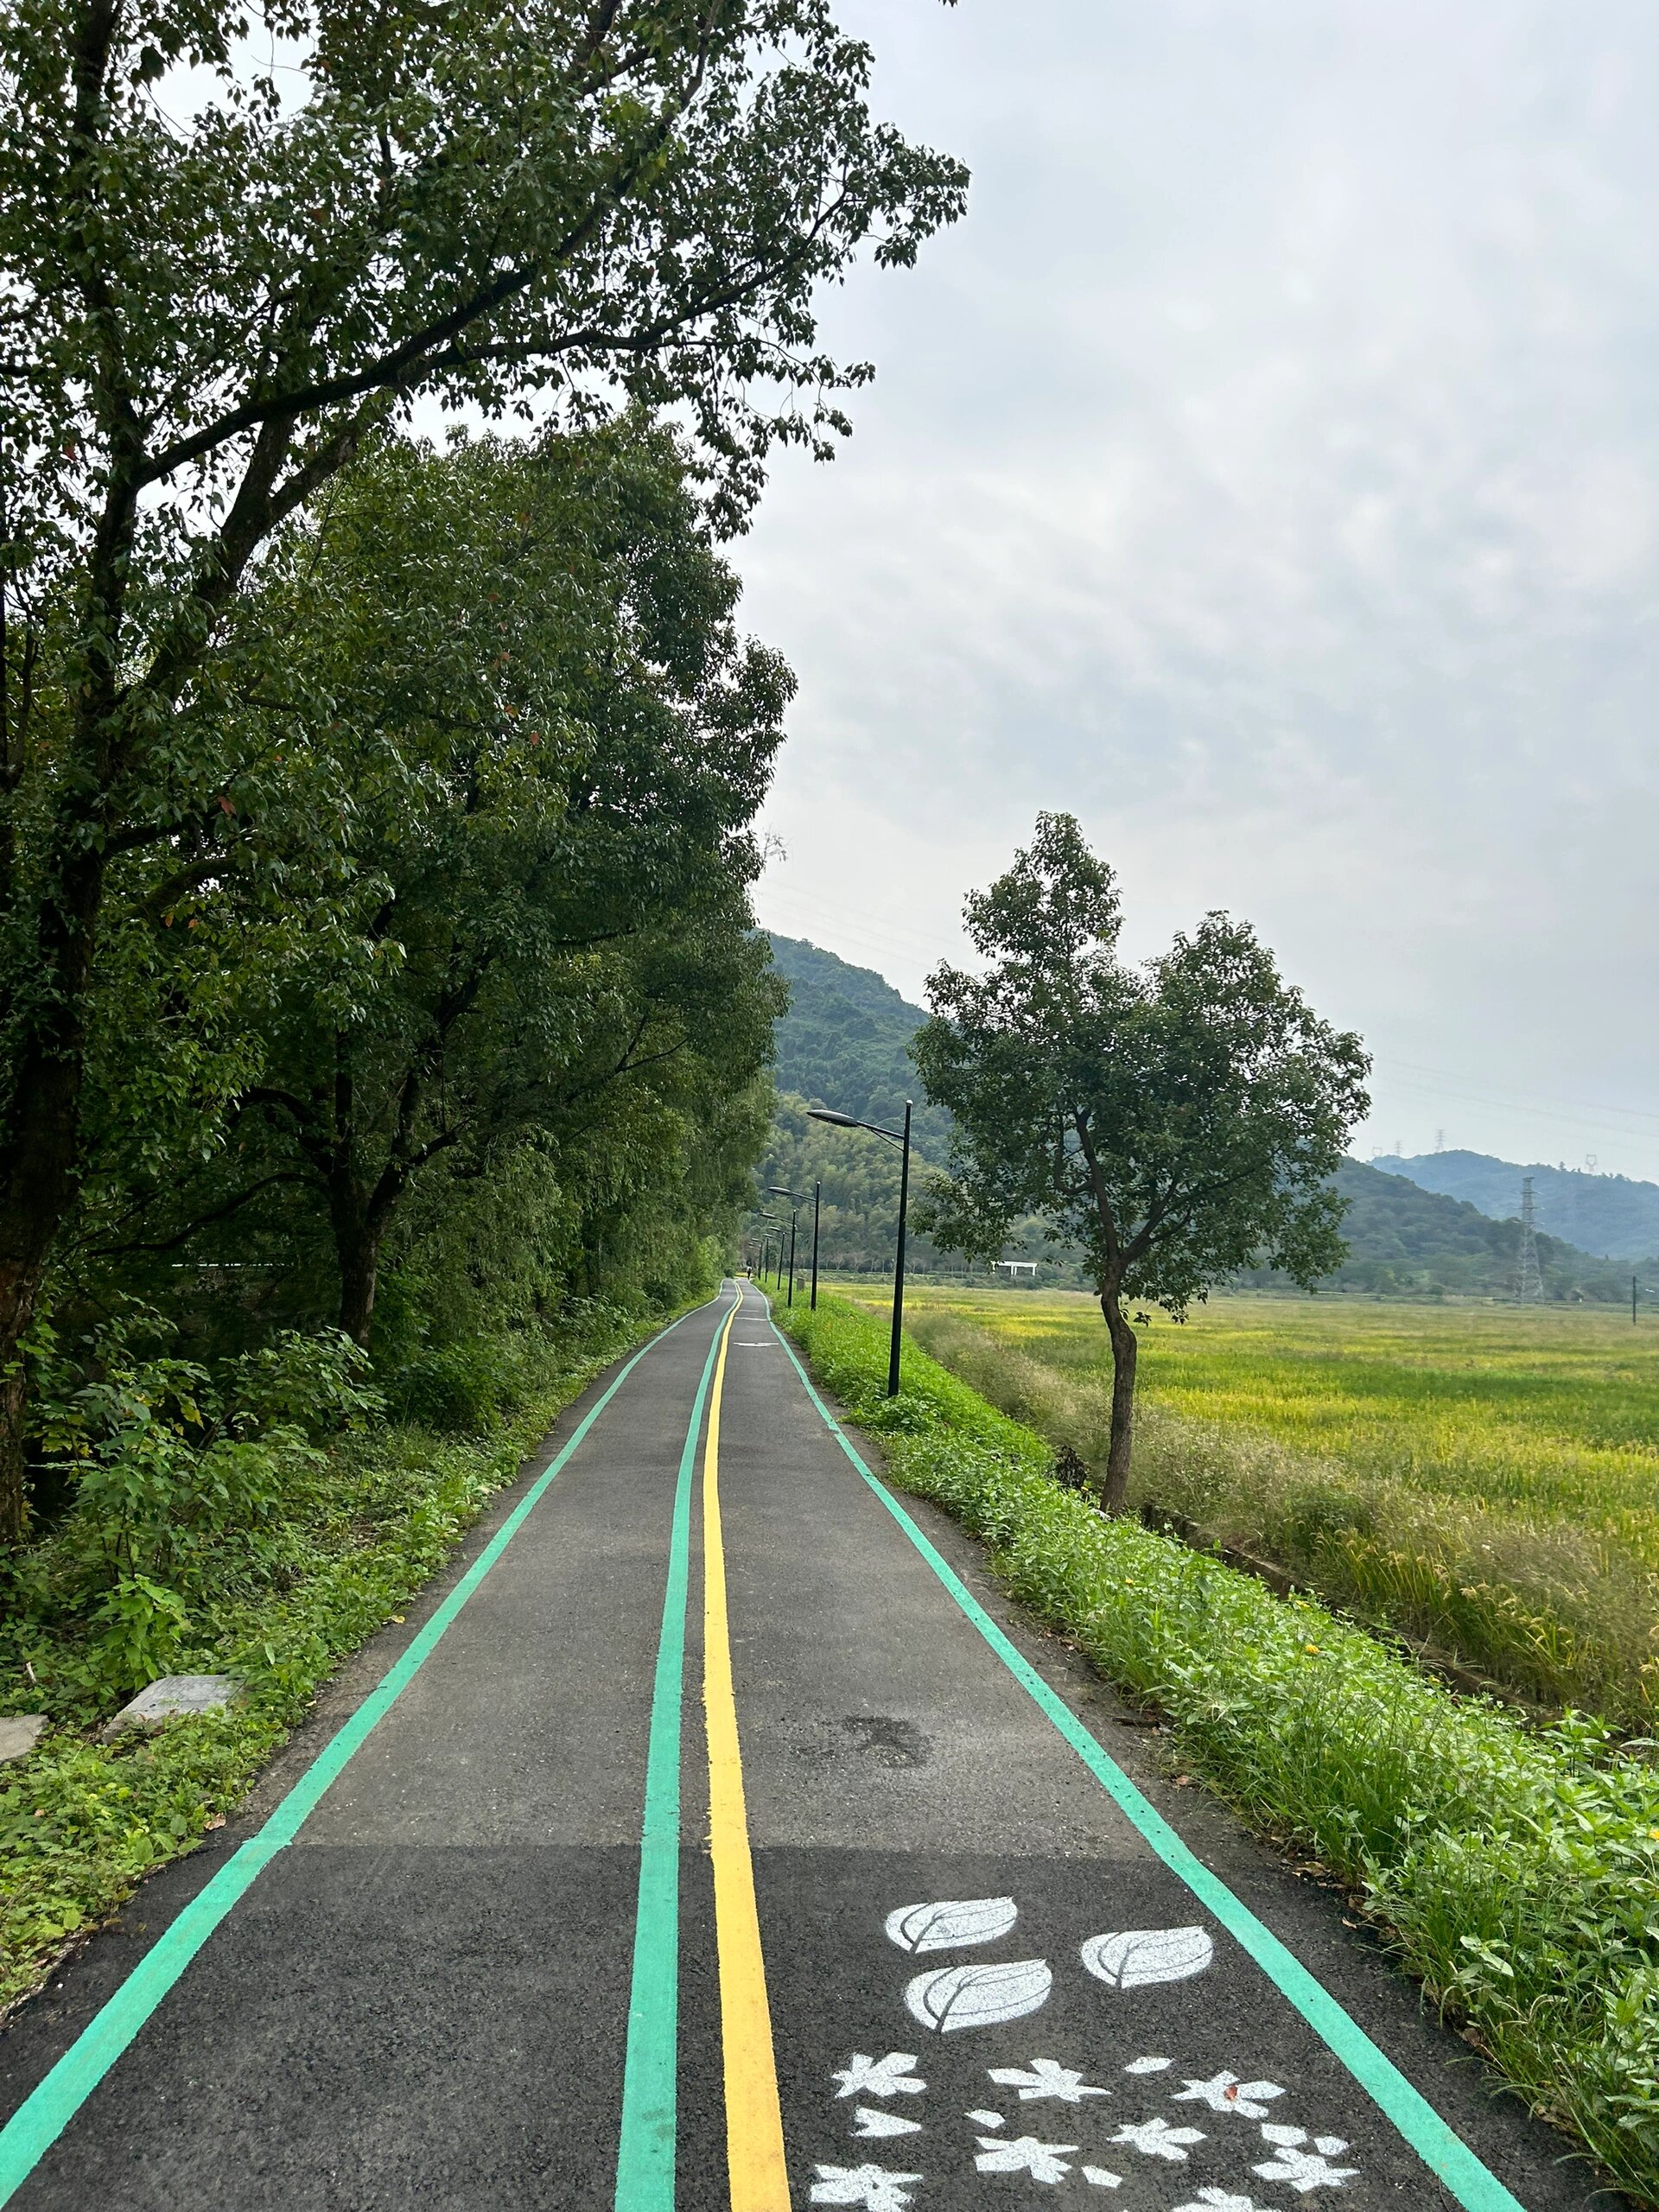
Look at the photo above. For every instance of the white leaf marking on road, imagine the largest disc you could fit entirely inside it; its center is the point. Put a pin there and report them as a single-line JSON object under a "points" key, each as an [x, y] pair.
{"points": [[872, 2186], [868, 2121], [1023, 2154], [987, 2118], [1148, 2066], [1103, 2178], [863, 2076], [1138, 1957], [1282, 2135], [979, 1996], [1158, 2139], [1331, 2144], [949, 1921], [1211, 2199], [1225, 2093], [1045, 2077]]}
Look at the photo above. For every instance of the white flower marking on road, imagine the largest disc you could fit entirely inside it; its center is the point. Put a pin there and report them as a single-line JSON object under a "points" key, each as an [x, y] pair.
{"points": [[1226, 2093], [872, 2186], [1304, 2170], [869, 2121], [1158, 2139], [891, 2077], [1025, 2155], [1045, 2077]]}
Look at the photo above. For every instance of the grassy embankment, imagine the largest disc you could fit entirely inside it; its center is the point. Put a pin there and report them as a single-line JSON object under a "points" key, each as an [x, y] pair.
{"points": [[363, 1525], [1518, 1871], [1484, 1482]]}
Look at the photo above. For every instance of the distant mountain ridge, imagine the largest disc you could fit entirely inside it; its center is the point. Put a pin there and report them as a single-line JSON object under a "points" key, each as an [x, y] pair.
{"points": [[1609, 1214], [844, 1041]]}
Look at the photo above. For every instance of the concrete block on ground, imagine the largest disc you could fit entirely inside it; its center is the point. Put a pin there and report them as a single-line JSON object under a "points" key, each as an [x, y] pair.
{"points": [[171, 1699], [19, 1733]]}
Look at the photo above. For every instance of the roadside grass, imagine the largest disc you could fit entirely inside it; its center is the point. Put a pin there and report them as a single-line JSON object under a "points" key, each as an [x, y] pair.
{"points": [[81, 1822], [1517, 1870], [1482, 1484]]}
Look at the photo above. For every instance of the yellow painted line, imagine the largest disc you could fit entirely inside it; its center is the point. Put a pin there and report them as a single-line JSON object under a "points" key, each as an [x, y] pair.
{"points": [[754, 2123]]}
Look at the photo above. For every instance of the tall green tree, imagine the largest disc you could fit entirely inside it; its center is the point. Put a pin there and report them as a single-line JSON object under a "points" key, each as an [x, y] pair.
{"points": [[206, 319], [523, 666], [1176, 1120]]}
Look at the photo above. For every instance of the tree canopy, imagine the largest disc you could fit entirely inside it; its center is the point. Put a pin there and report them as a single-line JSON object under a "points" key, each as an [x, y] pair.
{"points": [[220, 293], [1176, 1122]]}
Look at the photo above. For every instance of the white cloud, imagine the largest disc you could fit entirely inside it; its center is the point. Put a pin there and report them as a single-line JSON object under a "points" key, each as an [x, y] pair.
{"points": [[1267, 471]]}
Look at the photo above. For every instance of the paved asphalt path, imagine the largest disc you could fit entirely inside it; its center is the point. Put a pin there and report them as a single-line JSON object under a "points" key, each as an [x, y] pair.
{"points": [[888, 1942]]}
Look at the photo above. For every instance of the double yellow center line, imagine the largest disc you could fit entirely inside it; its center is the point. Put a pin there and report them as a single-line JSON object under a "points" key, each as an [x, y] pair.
{"points": [[754, 2126]]}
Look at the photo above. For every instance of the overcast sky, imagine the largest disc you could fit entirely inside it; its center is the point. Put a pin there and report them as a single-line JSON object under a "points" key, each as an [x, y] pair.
{"points": [[1265, 472]]}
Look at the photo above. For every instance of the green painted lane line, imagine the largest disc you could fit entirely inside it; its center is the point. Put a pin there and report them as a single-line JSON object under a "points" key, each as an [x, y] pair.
{"points": [[646, 2149], [1444, 2153], [46, 2111]]}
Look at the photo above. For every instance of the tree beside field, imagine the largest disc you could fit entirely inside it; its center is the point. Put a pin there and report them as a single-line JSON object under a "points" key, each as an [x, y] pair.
{"points": [[1176, 1122]]}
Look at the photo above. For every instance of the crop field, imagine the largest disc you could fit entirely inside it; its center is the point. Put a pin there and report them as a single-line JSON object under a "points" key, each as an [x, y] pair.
{"points": [[1484, 1481]]}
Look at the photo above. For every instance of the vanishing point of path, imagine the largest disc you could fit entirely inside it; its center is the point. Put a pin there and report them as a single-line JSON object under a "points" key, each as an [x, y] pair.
{"points": [[718, 1838]]}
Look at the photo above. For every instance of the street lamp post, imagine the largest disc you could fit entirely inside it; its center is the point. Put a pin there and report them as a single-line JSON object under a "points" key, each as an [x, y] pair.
{"points": [[901, 1138], [773, 1222], [798, 1199]]}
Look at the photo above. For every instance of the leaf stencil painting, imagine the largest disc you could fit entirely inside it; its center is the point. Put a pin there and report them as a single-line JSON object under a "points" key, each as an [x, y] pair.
{"points": [[979, 1996], [1141, 1956], [949, 1921]]}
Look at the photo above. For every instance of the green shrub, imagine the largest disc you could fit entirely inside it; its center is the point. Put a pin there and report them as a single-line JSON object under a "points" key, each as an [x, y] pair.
{"points": [[366, 1515]]}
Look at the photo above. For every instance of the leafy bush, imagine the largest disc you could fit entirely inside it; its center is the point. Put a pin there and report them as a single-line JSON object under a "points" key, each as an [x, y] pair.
{"points": [[1518, 1871], [367, 1518]]}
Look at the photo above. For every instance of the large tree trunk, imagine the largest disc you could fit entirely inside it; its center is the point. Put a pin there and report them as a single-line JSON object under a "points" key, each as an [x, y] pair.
{"points": [[1125, 1347], [19, 1287], [357, 1245], [39, 1158]]}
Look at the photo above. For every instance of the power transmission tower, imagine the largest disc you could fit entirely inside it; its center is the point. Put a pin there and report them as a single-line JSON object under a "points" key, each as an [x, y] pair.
{"points": [[1531, 1292]]}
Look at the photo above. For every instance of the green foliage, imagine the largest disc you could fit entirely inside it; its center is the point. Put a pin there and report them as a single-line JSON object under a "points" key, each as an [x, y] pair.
{"points": [[1174, 1123], [532, 957], [367, 1520], [218, 315], [845, 1042], [1517, 1870]]}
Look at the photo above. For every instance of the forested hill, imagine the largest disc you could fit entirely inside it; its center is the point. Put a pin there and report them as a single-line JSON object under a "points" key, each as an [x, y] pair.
{"points": [[1406, 1239], [844, 1043], [1599, 1213]]}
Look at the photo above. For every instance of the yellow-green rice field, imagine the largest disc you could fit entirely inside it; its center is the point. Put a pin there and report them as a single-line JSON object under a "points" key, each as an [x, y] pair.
{"points": [[1483, 1480]]}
